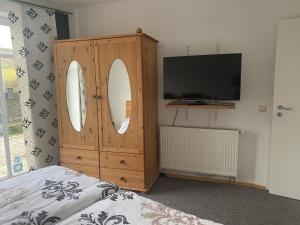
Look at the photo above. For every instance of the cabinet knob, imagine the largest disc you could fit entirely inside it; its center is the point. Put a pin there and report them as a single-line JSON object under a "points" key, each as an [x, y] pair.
{"points": [[123, 179], [78, 157], [122, 161]]}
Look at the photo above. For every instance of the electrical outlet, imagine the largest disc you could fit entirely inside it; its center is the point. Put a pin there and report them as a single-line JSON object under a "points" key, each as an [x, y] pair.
{"points": [[262, 108]]}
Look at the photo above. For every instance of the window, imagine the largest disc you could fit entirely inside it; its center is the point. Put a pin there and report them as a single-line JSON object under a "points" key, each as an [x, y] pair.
{"points": [[13, 158]]}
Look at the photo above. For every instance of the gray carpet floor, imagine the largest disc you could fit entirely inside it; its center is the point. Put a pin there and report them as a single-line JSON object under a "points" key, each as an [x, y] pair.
{"points": [[225, 203]]}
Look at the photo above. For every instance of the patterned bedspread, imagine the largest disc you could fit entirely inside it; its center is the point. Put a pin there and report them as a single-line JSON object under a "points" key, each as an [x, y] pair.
{"points": [[48, 196], [56, 195], [124, 207]]}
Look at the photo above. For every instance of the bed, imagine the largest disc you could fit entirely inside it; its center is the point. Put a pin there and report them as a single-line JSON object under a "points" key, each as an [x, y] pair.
{"points": [[54, 190], [57, 195]]}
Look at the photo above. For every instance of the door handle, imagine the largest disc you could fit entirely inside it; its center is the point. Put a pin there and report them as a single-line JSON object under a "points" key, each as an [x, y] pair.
{"points": [[281, 107]]}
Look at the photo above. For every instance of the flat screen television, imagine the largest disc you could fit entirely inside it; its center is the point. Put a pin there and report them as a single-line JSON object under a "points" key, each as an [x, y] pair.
{"points": [[203, 77]]}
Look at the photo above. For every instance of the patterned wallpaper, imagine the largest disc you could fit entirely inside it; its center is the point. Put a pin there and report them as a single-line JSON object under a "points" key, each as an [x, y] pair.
{"points": [[33, 30]]}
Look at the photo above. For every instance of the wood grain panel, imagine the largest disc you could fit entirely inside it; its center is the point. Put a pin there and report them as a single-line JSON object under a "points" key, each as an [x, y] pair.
{"points": [[149, 58], [107, 51], [128, 108], [122, 161], [83, 52], [79, 157], [130, 160], [140, 66], [106, 37], [121, 150], [92, 171], [177, 105], [83, 147], [124, 178]]}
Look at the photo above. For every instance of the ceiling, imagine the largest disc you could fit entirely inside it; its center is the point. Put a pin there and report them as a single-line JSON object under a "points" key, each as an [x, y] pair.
{"points": [[82, 2]]}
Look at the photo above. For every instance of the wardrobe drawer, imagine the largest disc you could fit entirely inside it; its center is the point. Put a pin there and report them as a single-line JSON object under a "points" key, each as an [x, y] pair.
{"points": [[122, 161], [124, 178], [92, 171], [79, 157]]}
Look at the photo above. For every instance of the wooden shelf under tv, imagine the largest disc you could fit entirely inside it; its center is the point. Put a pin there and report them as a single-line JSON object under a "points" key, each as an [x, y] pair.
{"points": [[219, 105]]}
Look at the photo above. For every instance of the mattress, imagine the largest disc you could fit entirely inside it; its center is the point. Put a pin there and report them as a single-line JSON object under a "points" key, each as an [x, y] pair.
{"points": [[125, 207], [54, 190], [57, 195]]}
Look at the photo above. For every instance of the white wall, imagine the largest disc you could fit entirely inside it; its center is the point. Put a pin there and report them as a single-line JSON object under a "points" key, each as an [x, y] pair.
{"points": [[247, 26]]}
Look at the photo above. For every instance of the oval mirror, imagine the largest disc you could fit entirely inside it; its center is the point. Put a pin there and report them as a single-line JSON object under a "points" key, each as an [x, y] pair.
{"points": [[76, 97], [119, 96]]}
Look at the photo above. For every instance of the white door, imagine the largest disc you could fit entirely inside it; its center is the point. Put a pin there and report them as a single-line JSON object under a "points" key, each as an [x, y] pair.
{"points": [[284, 177]]}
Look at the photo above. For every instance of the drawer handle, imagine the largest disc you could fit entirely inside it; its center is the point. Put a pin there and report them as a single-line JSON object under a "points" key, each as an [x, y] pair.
{"points": [[123, 179], [78, 157], [122, 161]]}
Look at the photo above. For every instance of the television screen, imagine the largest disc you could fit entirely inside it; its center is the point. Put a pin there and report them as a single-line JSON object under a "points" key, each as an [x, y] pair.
{"points": [[203, 77]]}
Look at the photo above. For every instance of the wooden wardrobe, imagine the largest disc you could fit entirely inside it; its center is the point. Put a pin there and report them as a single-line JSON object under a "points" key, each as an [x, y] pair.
{"points": [[130, 159]]}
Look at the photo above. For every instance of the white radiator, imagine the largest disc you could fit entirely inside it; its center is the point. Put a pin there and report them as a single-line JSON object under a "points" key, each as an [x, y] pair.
{"points": [[197, 150]]}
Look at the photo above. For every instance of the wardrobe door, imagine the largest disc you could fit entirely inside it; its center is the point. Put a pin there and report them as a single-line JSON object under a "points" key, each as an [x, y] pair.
{"points": [[121, 91], [76, 95]]}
